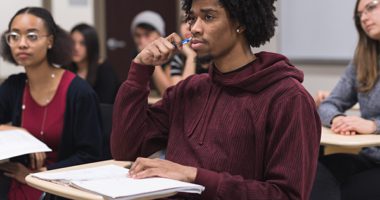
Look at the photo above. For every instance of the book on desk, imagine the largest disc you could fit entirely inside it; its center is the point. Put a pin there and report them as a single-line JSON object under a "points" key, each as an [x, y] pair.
{"points": [[112, 182]]}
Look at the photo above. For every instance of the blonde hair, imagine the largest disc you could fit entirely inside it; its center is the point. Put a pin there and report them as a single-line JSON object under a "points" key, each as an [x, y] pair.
{"points": [[365, 58]]}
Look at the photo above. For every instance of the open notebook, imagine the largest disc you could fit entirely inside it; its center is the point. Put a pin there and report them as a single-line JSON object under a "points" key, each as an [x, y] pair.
{"points": [[19, 142], [111, 181]]}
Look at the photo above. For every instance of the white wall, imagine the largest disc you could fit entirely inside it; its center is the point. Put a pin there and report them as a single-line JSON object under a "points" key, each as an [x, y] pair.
{"points": [[7, 10], [68, 13], [317, 76]]}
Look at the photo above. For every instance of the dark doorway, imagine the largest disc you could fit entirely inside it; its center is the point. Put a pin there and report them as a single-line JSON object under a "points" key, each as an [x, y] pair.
{"points": [[119, 15]]}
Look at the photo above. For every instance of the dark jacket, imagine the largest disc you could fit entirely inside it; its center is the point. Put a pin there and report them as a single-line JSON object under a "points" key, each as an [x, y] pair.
{"points": [[82, 139]]}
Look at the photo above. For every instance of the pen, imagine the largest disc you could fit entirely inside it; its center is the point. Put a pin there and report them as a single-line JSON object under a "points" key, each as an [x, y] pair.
{"points": [[185, 41]]}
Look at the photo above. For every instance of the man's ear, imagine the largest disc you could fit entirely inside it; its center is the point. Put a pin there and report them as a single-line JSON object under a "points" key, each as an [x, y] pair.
{"points": [[240, 29]]}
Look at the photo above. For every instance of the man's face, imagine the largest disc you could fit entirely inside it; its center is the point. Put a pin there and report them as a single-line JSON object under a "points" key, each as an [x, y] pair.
{"points": [[143, 37], [214, 33]]}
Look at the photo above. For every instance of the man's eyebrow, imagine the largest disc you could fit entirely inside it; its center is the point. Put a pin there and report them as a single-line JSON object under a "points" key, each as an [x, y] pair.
{"points": [[207, 10], [203, 10]]}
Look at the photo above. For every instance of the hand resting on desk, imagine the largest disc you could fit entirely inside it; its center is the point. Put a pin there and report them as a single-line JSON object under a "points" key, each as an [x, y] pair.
{"points": [[145, 167], [351, 125]]}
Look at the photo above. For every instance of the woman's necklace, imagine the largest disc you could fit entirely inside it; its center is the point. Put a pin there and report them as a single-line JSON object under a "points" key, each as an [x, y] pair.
{"points": [[45, 109]]}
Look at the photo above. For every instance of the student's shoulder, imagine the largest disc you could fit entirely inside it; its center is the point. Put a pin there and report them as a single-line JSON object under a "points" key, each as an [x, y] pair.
{"points": [[289, 88], [80, 87], [15, 80]]}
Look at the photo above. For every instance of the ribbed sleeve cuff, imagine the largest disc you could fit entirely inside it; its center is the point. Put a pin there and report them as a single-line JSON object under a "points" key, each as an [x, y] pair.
{"points": [[210, 180], [139, 75], [377, 122], [328, 116]]}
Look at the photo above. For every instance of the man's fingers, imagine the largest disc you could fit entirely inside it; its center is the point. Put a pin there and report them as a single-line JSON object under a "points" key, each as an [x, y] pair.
{"points": [[147, 173], [142, 164], [174, 38]]}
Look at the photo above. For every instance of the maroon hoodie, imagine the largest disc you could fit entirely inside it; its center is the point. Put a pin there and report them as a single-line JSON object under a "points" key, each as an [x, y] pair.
{"points": [[252, 133]]}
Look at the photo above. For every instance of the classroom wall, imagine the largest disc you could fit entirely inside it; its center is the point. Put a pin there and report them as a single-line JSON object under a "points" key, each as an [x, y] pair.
{"points": [[7, 10], [68, 13], [317, 75]]}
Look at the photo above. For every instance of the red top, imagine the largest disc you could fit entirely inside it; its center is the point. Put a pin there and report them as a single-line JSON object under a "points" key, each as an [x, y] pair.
{"points": [[47, 120], [252, 133]]}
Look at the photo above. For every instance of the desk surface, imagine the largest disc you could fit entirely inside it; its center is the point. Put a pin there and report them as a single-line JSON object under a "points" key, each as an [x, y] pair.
{"points": [[70, 192], [330, 138], [67, 191]]}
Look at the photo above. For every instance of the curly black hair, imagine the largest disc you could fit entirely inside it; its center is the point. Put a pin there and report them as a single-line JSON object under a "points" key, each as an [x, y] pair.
{"points": [[62, 49], [256, 15]]}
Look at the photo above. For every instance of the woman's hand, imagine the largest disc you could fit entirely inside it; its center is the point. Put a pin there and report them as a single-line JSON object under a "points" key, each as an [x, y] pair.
{"points": [[321, 96], [351, 125], [5, 127], [145, 167], [37, 160], [15, 170], [159, 51]]}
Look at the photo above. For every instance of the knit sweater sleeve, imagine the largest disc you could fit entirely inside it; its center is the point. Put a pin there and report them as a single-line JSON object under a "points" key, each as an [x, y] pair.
{"points": [[293, 136], [138, 129], [342, 97]]}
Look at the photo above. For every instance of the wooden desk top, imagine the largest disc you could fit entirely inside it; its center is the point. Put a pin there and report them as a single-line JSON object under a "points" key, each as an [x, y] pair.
{"points": [[67, 191], [330, 138], [73, 193]]}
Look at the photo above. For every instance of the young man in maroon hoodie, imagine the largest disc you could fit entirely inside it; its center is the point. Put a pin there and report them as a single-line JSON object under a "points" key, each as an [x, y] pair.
{"points": [[246, 130]]}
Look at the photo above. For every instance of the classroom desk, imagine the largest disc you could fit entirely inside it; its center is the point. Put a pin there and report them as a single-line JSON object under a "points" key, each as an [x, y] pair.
{"points": [[70, 192], [350, 141]]}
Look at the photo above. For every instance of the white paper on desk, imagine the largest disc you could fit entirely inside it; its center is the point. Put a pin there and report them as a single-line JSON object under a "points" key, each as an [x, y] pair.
{"points": [[128, 188], [112, 182], [101, 172], [18, 142]]}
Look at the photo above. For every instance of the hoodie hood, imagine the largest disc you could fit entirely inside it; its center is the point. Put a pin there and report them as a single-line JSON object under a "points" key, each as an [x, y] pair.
{"points": [[265, 70]]}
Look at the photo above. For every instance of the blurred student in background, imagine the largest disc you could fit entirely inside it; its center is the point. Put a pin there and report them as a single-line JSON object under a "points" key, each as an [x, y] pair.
{"points": [[88, 65], [358, 175], [53, 104], [146, 27]]}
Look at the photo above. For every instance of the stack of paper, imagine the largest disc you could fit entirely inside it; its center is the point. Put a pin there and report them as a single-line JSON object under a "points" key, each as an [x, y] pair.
{"points": [[111, 181], [18, 142]]}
